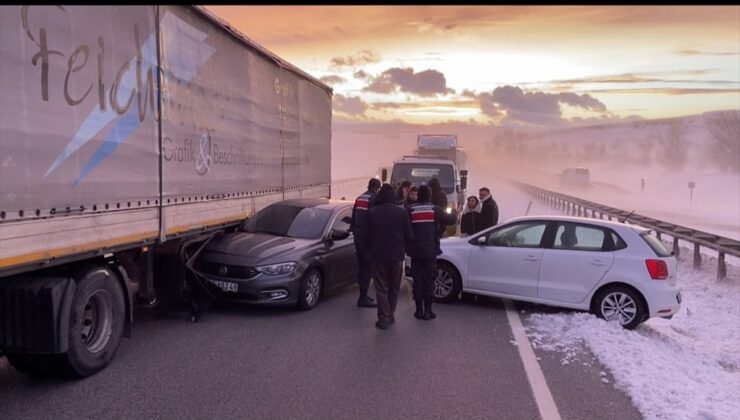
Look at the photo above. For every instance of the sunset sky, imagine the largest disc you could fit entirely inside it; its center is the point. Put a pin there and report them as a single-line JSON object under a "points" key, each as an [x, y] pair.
{"points": [[535, 65]]}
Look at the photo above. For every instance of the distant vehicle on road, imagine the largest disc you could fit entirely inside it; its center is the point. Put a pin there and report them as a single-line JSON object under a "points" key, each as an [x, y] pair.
{"points": [[290, 252], [616, 271], [578, 177]]}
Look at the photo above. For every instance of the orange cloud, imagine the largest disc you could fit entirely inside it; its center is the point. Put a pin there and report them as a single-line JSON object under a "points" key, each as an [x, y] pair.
{"points": [[669, 91]]}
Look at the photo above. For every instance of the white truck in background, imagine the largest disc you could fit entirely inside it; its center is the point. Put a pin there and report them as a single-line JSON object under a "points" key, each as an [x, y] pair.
{"points": [[420, 169], [428, 162], [124, 132], [441, 145]]}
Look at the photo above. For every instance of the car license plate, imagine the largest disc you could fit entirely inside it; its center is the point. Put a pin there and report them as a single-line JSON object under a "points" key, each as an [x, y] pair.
{"points": [[226, 286]]}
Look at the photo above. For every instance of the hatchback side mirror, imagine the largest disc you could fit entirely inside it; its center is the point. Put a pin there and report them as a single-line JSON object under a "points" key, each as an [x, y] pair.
{"points": [[338, 235]]}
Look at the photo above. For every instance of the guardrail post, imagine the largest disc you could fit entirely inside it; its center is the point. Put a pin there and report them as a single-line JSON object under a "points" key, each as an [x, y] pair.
{"points": [[697, 256], [676, 249], [721, 266]]}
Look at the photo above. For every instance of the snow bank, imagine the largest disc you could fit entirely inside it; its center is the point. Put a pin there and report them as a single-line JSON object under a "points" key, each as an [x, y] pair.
{"points": [[684, 368]]}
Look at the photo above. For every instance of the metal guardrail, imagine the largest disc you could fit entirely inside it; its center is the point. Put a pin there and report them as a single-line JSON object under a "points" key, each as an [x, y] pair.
{"points": [[579, 207], [360, 182]]}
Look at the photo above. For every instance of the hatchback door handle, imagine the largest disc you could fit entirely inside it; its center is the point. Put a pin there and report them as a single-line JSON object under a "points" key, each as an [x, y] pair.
{"points": [[597, 263], [530, 258]]}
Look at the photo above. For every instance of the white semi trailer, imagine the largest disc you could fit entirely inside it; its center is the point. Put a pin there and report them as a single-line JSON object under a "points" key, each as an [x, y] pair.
{"points": [[125, 130]]}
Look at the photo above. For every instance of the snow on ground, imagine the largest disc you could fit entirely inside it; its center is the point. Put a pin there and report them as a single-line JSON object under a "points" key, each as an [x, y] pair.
{"points": [[684, 368]]}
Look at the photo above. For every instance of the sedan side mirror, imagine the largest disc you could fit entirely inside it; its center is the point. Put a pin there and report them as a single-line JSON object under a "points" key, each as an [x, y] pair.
{"points": [[482, 240], [338, 235]]}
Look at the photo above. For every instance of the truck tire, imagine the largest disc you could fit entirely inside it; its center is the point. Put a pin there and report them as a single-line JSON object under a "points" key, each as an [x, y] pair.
{"points": [[96, 323]]}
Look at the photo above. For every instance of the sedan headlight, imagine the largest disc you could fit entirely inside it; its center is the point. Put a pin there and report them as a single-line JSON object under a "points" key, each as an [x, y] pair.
{"points": [[275, 269]]}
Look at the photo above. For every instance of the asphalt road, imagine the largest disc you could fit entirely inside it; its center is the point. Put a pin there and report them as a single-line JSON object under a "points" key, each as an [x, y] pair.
{"points": [[252, 362]]}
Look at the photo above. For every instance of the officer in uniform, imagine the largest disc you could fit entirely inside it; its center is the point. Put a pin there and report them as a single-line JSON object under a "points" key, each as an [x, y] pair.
{"points": [[426, 220], [360, 230]]}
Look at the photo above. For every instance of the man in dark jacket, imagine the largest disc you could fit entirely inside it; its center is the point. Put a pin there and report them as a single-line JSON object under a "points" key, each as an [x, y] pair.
{"points": [[359, 226], [424, 248], [412, 197], [439, 198], [489, 209], [390, 230], [403, 192]]}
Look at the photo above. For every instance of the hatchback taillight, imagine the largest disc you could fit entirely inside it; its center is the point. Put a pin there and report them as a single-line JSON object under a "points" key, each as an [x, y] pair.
{"points": [[658, 269]]}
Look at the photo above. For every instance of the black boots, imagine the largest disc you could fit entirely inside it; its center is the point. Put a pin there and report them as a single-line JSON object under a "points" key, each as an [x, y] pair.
{"points": [[419, 314], [366, 301], [428, 314], [424, 310]]}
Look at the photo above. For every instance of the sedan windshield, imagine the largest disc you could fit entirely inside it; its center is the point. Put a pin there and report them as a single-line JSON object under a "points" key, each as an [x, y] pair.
{"points": [[290, 221]]}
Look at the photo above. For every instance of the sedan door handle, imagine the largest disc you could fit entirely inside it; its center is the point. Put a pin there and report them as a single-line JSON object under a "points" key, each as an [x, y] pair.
{"points": [[597, 263], [530, 258]]}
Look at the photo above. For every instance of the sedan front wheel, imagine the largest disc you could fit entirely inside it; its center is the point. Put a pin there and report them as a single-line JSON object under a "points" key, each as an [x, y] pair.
{"points": [[310, 291]]}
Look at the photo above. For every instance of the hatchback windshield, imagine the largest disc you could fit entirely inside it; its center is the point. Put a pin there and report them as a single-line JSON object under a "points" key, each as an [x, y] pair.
{"points": [[290, 221]]}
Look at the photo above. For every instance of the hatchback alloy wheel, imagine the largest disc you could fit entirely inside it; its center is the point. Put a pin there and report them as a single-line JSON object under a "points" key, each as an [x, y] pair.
{"points": [[444, 284], [619, 307], [620, 304], [447, 285]]}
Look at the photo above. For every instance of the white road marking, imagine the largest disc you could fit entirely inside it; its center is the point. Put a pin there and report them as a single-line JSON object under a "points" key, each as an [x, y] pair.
{"points": [[542, 394]]}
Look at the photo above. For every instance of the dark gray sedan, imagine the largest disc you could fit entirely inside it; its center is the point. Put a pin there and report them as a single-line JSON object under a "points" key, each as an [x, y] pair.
{"points": [[290, 252]]}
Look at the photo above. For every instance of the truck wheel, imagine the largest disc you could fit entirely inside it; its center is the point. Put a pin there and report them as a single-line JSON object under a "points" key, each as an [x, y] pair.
{"points": [[96, 323]]}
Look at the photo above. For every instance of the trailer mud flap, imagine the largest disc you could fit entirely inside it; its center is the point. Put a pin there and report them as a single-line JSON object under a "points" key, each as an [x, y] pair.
{"points": [[34, 314]]}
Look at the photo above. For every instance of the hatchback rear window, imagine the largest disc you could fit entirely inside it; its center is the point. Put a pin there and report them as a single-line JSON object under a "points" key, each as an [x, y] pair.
{"points": [[656, 245]]}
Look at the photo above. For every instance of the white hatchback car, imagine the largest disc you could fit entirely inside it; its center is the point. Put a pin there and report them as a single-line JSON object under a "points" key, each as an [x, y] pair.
{"points": [[614, 270]]}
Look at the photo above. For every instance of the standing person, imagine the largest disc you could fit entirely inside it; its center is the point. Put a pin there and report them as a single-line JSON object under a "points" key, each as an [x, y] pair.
{"points": [[412, 197], [489, 209], [423, 249], [390, 230], [439, 198], [359, 226], [470, 222], [403, 192]]}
